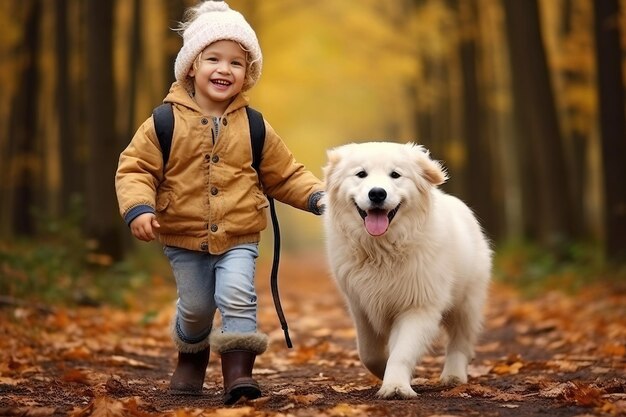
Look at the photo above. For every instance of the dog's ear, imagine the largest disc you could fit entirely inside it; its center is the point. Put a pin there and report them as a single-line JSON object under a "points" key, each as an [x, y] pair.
{"points": [[332, 157], [432, 170]]}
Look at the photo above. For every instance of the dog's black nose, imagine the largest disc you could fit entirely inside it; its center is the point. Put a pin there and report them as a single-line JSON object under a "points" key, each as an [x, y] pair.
{"points": [[377, 195]]}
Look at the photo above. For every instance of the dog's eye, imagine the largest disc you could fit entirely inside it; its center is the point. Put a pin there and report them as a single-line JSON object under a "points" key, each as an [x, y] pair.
{"points": [[361, 174], [394, 175]]}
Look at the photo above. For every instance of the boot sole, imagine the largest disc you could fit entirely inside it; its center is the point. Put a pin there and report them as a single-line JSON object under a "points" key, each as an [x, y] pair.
{"points": [[250, 392]]}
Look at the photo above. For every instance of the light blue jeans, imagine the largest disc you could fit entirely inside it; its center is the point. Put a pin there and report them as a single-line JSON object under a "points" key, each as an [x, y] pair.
{"points": [[208, 282]]}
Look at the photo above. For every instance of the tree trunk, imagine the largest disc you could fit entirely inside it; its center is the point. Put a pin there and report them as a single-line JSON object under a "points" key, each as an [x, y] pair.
{"points": [[546, 189], [576, 142], [479, 185], [23, 132], [102, 218], [612, 125], [70, 182]]}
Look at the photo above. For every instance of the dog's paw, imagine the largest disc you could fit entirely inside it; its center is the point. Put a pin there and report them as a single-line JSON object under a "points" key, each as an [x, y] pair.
{"points": [[452, 380], [394, 390]]}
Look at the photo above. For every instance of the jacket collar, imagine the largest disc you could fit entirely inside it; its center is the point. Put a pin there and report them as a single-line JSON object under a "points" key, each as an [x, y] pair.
{"points": [[179, 95]]}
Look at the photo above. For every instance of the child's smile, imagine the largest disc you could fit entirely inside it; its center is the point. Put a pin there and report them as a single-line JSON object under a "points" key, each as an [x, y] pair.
{"points": [[221, 83]]}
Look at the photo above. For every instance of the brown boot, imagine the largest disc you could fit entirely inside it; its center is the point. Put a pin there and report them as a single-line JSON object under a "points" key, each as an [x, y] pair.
{"points": [[238, 351], [237, 371], [188, 377]]}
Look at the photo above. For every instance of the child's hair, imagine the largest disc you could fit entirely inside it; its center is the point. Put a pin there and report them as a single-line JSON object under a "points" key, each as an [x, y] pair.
{"points": [[212, 21]]}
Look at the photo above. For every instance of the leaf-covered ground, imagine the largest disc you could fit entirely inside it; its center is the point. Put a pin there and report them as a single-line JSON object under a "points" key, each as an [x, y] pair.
{"points": [[553, 355]]}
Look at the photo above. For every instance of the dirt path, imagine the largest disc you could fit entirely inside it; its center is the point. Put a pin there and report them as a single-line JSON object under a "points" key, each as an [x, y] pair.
{"points": [[553, 355]]}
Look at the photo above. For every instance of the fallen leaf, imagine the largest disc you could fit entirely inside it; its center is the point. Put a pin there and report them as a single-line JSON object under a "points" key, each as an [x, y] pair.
{"points": [[77, 353], [76, 375], [305, 399], [613, 349], [348, 410], [573, 392], [28, 411], [565, 366], [123, 360], [476, 390], [285, 391], [101, 407], [444, 415], [348, 388], [490, 347], [476, 371], [10, 381], [232, 412], [504, 369]]}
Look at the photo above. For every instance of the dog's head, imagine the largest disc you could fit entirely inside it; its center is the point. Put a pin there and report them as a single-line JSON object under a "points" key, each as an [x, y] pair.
{"points": [[377, 181]]}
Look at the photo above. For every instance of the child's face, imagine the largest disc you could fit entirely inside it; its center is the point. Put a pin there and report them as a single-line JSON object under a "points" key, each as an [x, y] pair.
{"points": [[220, 72]]}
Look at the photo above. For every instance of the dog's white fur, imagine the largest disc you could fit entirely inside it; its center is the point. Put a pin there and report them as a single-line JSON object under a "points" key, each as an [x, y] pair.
{"points": [[431, 267]]}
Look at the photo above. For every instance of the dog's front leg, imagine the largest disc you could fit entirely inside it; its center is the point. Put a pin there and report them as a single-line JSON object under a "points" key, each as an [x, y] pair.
{"points": [[372, 345], [411, 334]]}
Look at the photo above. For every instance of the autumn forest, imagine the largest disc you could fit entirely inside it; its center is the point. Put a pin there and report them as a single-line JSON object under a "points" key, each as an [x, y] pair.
{"points": [[522, 101]]}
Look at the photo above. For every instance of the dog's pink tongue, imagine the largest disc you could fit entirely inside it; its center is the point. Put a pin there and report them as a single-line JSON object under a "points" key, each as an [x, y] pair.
{"points": [[376, 222]]}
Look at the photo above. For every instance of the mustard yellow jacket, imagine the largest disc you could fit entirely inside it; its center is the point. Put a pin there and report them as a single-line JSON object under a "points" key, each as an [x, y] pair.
{"points": [[209, 197]]}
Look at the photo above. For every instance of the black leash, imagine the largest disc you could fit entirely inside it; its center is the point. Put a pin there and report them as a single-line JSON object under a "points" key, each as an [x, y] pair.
{"points": [[274, 274]]}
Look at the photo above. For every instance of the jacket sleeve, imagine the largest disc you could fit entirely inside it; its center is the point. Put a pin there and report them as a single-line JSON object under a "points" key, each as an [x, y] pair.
{"points": [[285, 179], [139, 172]]}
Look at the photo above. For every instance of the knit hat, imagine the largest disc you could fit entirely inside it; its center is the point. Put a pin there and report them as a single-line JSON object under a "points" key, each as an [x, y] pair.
{"points": [[214, 21]]}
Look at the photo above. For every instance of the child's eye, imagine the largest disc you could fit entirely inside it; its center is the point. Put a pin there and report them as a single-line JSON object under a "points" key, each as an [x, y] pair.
{"points": [[211, 59], [237, 63]]}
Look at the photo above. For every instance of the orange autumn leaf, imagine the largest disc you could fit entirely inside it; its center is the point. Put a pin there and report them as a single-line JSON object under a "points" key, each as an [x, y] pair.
{"points": [[76, 375]]}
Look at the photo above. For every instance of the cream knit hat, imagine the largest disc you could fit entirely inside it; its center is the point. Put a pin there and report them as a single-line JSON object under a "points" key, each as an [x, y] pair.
{"points": [[213, 21]]}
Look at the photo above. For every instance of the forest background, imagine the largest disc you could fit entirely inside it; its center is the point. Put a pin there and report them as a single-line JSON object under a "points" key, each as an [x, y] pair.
{"points": [[523, 101]]}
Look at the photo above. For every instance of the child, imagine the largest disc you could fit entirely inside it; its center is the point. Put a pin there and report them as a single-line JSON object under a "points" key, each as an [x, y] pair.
{"points": [[207, 205]]}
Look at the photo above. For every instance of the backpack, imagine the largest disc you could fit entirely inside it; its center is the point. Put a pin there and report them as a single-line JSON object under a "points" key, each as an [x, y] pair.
{"points": [[163, 117]]}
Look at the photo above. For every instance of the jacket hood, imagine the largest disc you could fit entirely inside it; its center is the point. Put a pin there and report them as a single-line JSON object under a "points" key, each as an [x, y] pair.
{"points": [[179, 95]]}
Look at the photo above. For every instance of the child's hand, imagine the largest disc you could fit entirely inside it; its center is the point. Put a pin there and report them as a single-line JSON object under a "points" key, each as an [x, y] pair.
{"points": [[141, 227]]}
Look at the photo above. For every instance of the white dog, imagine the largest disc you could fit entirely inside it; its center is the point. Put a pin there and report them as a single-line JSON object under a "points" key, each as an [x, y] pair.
{"points": [[407, 257]]}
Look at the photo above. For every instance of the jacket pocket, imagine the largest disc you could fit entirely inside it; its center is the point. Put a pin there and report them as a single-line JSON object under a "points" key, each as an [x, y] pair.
{"points": [[163, 201], [261, 201]]}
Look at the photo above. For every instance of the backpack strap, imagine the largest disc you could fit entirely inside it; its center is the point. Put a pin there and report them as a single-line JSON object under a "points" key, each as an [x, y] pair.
{"points": [[257, 138], [163, 118]]}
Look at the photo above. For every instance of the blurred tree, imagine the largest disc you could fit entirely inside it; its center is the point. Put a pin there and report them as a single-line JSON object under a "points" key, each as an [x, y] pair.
{"points": [[71, 185], [102, 221], [134, 55], [574, 76], [612, 124], [545, 186], [480, 181], [23, 163]]}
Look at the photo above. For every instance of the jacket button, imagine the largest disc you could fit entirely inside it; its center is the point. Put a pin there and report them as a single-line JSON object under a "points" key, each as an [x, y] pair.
{"points": [[204, 121], [214, 228], [213, 190], [215, 159], [224, 121], [204, 246]]}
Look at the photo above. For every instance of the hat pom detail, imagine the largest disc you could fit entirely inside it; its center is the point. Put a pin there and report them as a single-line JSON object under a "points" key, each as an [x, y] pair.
{"points": [[213, 6], [213, 21]]}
